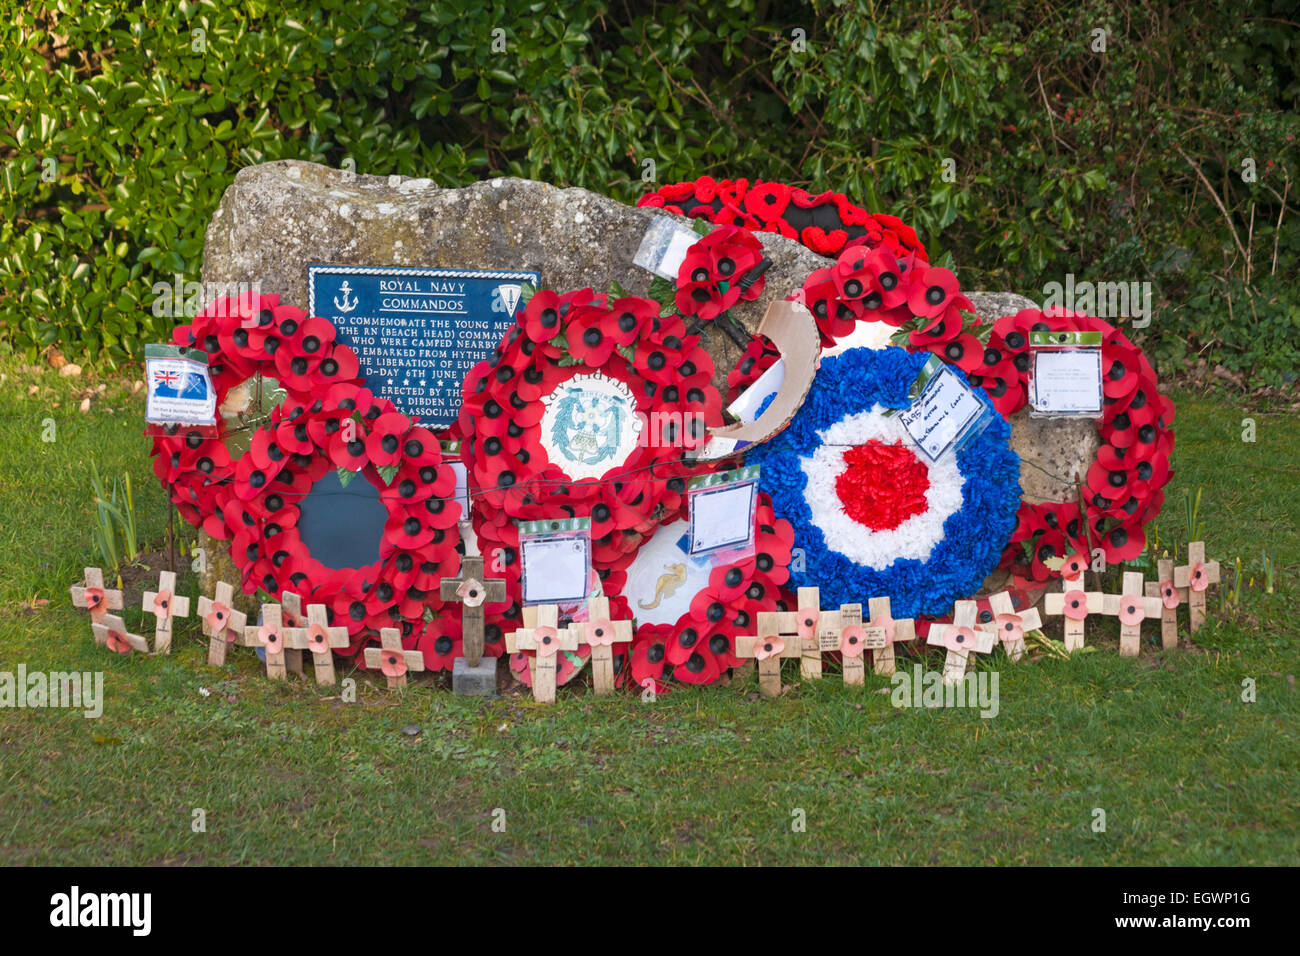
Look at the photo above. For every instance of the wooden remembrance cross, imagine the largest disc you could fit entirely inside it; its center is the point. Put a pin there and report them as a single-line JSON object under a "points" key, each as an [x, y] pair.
{"points": [[1008, 626], [1167, 591], [777, 638], [1196, 576], [601, 634], [472, 591], [895, 630], [392, 660], [961, 638], [319, 638], [92, 596], [1076, 604], [291, 616], [165, 604], [221, 622], [270, 636], [1132, 607], [545, 638]]}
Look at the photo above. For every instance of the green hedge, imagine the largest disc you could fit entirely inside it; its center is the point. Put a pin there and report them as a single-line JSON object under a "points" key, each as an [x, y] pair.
{"points": [[123, 122]]}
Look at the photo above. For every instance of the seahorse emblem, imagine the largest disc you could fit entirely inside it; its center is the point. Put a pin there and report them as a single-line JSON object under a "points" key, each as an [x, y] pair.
{"points": [[666, 585]]}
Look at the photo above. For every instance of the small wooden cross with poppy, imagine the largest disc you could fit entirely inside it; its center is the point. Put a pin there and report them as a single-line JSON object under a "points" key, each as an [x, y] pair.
{"points": [[1132, 607], [841, 630], [1009, 626], [1196, 576], [472, 590], [809, 621], [960, 639], [601, 634], [291, 616], [92, 595], [165, 604], [222, 624], [881, 643], [1170, 598], [1073, 602], [269, 635], [110, 631], [545, 638], [392, 660], [777, 638], [319, 638]]}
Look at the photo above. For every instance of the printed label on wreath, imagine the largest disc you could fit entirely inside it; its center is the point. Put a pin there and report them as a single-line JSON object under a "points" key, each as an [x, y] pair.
{"points": [[722, 511], [590, 425], [1067, 382], [417, 332], [943, 414], [556, 559], [180, 388]]}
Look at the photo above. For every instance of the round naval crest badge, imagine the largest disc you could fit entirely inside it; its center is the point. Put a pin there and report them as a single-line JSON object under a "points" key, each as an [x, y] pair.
{"points": [[590, 425]]}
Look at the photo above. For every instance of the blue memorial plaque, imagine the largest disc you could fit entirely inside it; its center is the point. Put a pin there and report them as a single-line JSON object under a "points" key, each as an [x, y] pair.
{"points": [[417, 332]]}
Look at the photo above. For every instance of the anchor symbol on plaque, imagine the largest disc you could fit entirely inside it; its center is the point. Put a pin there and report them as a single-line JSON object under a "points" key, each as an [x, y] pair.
{"points": [[345, 305]]}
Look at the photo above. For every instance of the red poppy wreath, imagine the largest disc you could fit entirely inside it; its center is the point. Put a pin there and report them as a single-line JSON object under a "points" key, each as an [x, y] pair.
{"points": [[587, 409], [826, 223], [327, 422]]}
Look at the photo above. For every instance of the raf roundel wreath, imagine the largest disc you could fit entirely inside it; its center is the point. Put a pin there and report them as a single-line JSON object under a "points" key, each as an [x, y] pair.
{"points": [[327, 422], [872, 516]]}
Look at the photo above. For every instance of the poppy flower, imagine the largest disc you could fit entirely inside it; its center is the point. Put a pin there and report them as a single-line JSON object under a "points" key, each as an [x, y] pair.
{"points": [[1075, 605], [1199, 579], [887, 278], [317, 639], [822, 242], [853, 640], [542, 316], [1169, 594], [767, 201], [271, 639], [384, 443], [392, 663], [1131, 610], [965, 352], [472, 592], [1073, 567], [547, 639], [96, 602], [942, 328], [117, 642], [649, 656], [628, 316], [806, 619], [599, 633], [1010, 628], [218, 618], [590, 337], [340, 364], [930, 290], [162, 604], [960, 639], [770, 645]]}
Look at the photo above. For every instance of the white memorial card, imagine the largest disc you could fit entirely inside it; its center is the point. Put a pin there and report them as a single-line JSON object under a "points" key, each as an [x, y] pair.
{"points": [[946, 408], [723, 517], [1067, 382], [556, 567]]}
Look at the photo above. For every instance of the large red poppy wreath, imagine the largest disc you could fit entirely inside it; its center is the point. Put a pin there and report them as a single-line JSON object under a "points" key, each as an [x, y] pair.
{"points": [[587, 409], [327, 422]]}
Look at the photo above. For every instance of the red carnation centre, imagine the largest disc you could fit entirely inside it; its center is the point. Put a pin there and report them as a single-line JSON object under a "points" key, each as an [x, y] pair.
{"points": [[883, 485]]}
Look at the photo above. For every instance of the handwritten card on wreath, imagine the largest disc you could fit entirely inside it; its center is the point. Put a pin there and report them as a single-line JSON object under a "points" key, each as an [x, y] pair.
{"points": [[942, 414]]}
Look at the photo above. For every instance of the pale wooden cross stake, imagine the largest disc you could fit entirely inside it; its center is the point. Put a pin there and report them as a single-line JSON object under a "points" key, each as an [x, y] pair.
{"points": [[110, 631], [221, 622], [1170, 598], [961, 638], [1196, 575], [841, 630], [269, 635], [542, 635], [291, 616], [165, 604], [392, 660], [601, 634], [472, 591], [1008, 626], [1076, 604], [891, 632], [777, 638], [92, 595], [319, 638], [1132, 607]]}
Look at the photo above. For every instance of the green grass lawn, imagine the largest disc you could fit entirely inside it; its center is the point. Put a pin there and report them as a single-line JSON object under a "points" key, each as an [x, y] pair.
{"points": [[1186, 772]]}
